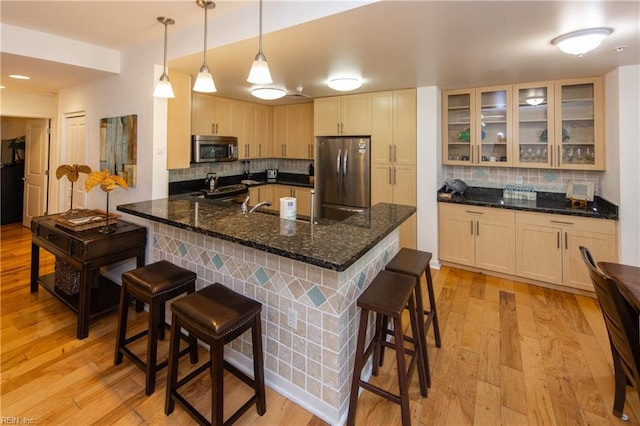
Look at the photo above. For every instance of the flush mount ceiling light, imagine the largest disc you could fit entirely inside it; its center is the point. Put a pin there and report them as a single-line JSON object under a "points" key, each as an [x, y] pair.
{"points": [[345, 84], [20, 77], [163, 87], [535, 100], [581, 41], [259, 73], [268, 93], [204, 81]]}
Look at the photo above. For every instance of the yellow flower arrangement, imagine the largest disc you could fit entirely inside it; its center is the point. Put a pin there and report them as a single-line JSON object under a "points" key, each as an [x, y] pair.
{"points": [[108, 183], [73, 174]]}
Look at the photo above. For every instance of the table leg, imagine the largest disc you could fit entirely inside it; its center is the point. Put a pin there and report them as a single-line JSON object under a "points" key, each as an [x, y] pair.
{"points": [[84, 303], [35, 266]]}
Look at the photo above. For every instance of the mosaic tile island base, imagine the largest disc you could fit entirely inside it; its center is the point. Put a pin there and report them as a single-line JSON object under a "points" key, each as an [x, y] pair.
{"points": [[315, 271]]}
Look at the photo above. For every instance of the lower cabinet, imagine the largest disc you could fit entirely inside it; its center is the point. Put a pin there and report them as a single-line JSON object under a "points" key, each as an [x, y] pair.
{"points": [[481, 237], [548, 247], [274, 192], [535, 246]]}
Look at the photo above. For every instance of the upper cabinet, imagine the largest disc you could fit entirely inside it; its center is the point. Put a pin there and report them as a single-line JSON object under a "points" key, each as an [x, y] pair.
{"points": [[179, 122], [212, 115], [477, 126], [256, 141], [348, 115], [393, 127], [293, 131], [556, 124]]}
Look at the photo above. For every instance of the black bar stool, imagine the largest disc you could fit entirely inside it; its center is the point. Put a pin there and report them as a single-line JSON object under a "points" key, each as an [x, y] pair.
{"points": [[216, 315], [415, 263], [152, 284], [387, 295]]}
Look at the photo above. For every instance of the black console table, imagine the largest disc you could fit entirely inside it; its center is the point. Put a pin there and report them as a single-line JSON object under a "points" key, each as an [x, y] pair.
{"points": [[86, 251]]}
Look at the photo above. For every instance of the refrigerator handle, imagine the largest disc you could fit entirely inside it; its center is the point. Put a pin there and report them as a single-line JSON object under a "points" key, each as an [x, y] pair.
{"points": [[344, 172], [338, 161]]}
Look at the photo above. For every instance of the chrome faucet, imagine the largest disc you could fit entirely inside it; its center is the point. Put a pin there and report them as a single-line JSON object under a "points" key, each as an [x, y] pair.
{"points": [[260, 204], [244, 205]]}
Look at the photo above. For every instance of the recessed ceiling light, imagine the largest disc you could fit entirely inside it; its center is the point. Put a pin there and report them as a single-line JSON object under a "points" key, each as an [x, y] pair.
{"points": [[345, 84], [268, 93], [1, 86], [581, 41], [20, 77]]}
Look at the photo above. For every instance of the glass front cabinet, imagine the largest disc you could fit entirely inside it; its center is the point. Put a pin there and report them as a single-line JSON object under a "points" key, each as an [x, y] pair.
{"points": [[552, 124], [478, 126]]}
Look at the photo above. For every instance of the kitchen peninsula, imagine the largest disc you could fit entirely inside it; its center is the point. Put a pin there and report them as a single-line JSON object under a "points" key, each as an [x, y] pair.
{"points": [[307, 276]]}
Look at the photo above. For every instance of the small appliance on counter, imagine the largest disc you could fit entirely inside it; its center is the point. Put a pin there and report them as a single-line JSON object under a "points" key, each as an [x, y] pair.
{"points": [[272, 174]]}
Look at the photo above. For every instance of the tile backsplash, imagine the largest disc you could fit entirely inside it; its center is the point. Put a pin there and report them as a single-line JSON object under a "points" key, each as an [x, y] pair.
{"points": [[545, 180], [197, 171]]}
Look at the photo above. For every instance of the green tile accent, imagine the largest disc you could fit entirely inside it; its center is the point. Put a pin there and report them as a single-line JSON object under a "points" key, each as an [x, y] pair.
{"points": [[262, 276], [550, 176], [385, 257], [182, 250], [155, 241], [479, 173], [217, 261], [316, 296], [361, 280]]}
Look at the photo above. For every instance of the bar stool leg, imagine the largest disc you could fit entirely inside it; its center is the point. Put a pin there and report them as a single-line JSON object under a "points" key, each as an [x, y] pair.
{"points": [[419, 311], [357, 368], [172, 373], [152, 346], [432, 307], [402, 372], [122, 323], [420, 347], [258, 366], [161, 322], [217, 385]]}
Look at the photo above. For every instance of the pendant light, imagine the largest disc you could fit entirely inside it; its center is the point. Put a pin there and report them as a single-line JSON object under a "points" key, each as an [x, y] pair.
{"points": [[204, 81], [259, 73], [163, 87]]}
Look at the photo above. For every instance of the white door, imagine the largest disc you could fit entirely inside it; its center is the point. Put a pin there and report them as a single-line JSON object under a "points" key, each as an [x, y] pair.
{"points": [[35, 170], [74, 153]]}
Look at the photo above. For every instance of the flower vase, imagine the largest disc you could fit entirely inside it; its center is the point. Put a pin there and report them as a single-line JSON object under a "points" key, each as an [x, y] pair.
{"points": [[107, 229]]}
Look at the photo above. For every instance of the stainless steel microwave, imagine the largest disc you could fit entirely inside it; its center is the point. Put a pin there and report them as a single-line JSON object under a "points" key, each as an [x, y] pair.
{"points": [[211, 148]]}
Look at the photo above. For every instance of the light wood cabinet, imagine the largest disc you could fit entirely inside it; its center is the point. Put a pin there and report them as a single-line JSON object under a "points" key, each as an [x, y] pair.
{"points": [[477, 126], [477, 236], [274, 192], [256, 141], [393, 127], [213, 115], [551, 124], [548, 247], [343, 115], [393, 154], [293, 131], [179, 122]]}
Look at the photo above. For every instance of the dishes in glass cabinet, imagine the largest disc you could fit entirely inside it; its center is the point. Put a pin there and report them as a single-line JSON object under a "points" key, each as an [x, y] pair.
{"points": [[465, 135], [565, 135]]}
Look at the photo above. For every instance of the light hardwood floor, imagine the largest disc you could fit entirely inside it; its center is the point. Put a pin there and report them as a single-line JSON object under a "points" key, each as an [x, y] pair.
{"points": [[512, 354]]}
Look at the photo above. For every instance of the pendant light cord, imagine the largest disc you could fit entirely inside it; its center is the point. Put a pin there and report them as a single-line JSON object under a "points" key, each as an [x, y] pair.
{"points": [[164, 66], [260, 27], [204, 53]]}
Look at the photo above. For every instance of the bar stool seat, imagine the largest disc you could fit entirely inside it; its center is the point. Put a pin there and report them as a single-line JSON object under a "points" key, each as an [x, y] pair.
{"points": [[387, 296], [154, 285], [216, 315]]}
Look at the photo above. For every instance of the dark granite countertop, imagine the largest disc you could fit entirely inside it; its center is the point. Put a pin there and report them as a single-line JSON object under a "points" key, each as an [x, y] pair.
{"points": [[294, 179], [546, 202], [328, 244]]}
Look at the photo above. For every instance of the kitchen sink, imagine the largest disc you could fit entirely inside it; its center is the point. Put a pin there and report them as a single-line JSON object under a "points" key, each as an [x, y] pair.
{"points": [[225, 191]]}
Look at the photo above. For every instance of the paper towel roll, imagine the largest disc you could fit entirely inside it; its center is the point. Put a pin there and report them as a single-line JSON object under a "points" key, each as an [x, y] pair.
{"points": [[288, 208]]}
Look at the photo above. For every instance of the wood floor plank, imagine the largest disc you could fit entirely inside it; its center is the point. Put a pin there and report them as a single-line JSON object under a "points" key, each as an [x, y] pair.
{"points": [[512, 354]]}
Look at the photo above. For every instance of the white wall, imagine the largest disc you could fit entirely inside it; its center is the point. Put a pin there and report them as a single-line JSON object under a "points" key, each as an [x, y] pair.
{"points": [[429, 168], [621, 182]]}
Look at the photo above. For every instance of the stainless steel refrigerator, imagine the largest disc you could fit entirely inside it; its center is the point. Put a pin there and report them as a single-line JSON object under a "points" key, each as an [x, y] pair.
{"points": [[343, 175]]}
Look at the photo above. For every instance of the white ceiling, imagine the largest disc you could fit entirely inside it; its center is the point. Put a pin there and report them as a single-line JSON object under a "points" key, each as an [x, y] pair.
{"points": [[391, 44]]}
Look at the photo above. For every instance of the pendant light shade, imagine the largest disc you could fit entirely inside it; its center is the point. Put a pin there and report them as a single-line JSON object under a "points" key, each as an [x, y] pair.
{"points": [[259, 73], [204, 81], [163, 87]]}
